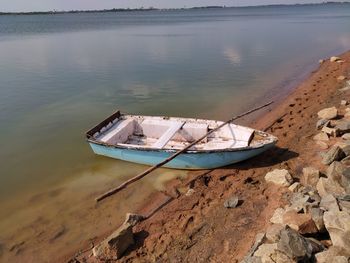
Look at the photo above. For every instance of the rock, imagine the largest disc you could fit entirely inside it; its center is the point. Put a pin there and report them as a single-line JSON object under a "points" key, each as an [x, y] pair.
{"points": [[299, 202], [280, 257], [321, 137], [295, 187], [321, 123], [346, 136], [265, 251], [273, 232], [334, 59], [310, 176], [321, 61], [329, 203], [232, 202], [335, 153], [317, 217], [322, 145], [259, 239], [327, 186], [343, 102], [341, 77], [277, 217], [280, 177], [189, 192], [338, 226], [346, 149], [343, 126], [115, 245], [328, 113], [346, 161], [133, 219], [330, 131], [251, 260], [300, 222], [330, 255], [344, 203], [340, 173], [296, 246]]}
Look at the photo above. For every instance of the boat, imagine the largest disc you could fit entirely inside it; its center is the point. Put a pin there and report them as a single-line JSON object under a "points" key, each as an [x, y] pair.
{"points": [[149, 140]]}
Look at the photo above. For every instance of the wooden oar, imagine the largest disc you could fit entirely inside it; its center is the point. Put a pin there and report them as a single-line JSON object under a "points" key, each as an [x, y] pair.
{"points": [[151, 169]]}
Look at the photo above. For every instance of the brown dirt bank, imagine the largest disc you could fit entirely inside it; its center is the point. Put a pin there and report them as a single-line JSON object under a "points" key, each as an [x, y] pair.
{"points": [[197, 227]]}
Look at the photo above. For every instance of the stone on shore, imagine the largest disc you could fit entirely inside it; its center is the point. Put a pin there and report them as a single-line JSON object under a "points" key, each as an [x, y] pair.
{"points": [[296, 246], [265, 251], [328, 113], [277, 217], [343, 126], [335, 153], [333, 254], [346, 136], [327, 186], [343, 102], [334, 59], [338, 226], [321, 137], [340, 173], [322, 123], [280, 177], [329, 203], [333, 132], [115, 245], [232, 202], [302, 223], [322, 145], [341, 77], [133, 219], [295, 187], [310, 176], [317, 217], [273, 232]]}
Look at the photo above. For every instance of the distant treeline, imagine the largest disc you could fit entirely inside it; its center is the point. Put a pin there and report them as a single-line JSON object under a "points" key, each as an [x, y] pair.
{"points": [[115, 10]]}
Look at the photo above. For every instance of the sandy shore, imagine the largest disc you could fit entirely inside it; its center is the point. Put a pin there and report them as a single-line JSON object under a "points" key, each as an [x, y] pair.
{"points": [[195, 226]]}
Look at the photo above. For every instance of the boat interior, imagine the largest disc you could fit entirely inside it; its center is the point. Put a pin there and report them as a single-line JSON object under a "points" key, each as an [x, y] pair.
{"points": [[175, 133]]}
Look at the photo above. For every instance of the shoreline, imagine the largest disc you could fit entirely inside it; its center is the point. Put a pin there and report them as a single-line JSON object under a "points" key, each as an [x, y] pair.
{"points": [[187, 217], [121, 10]]}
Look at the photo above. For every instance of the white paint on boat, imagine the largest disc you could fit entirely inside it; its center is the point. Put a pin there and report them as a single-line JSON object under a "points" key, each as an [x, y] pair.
{"points": [[172, 133]]}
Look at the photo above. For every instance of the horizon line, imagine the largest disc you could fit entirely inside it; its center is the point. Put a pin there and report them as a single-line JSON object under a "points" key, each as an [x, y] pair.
{"points": [[160, 9]]}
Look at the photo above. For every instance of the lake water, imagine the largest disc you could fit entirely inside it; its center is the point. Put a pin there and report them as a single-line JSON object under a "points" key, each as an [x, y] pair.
{"points": [[61, 74]]}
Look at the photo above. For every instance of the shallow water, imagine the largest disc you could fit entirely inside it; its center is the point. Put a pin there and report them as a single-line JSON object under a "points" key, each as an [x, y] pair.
{"points": [[60, 75]]}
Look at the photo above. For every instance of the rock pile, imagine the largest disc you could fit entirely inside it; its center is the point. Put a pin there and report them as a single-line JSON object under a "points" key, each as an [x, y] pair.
{"points": [[315, 225]]}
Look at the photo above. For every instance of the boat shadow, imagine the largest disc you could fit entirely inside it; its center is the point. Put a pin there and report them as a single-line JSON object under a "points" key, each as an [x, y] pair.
{"points": [[273, 156]]}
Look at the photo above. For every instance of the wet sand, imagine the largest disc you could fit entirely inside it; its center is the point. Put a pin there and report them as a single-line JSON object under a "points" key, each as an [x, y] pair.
{"points": [[197, 227]]}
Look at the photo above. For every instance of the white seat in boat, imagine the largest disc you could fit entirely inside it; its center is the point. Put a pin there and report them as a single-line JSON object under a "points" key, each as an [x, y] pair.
{"points": [[165, 138], [119, 132]]}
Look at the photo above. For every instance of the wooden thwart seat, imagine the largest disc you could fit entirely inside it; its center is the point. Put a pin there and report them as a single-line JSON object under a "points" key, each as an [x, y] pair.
{"points": [[165, 138]]}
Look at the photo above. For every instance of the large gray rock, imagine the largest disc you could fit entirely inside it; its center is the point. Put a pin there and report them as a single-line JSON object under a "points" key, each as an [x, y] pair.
{"points": [[296, 246], [300, 202], [327, 186], [310, 176], [265, 251], [338, 226], [335, 153], [329, 203], [133, 219], [328, 113], [280, 177], [343, 126], [340, 173], [317, 217]]}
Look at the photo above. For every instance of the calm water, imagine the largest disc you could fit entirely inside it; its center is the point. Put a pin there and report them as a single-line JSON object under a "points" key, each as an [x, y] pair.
{"points": [[61, 74]]}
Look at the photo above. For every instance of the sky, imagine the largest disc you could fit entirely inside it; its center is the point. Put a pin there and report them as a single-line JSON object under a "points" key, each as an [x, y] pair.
{"points": [[44, 5]]}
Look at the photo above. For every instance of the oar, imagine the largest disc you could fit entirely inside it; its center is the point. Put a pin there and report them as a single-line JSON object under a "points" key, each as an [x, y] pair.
{"points": [[151, 169]]}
